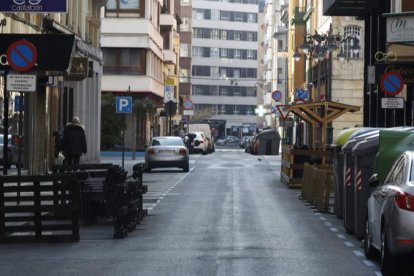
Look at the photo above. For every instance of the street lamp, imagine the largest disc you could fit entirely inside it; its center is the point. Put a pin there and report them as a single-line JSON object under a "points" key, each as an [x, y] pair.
{"points": [[319, 46]]}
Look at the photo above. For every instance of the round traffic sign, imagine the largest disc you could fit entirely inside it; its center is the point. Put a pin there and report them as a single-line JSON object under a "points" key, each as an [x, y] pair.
{"points": [[22, 55], [391, 83], [188, 104], [276, 95]]}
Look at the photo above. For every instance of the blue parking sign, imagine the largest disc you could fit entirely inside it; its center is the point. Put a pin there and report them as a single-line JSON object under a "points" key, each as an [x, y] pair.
{"points": [[123, 104]]}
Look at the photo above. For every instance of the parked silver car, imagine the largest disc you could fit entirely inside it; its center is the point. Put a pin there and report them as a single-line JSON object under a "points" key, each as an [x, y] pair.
{"points": [[167, 151], [390, 222]]}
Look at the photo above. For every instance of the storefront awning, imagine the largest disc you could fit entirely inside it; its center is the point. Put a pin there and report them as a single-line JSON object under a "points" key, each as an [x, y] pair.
{"points": [[348, 7]]}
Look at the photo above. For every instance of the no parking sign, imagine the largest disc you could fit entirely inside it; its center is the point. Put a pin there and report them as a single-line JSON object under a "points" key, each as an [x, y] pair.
{"points": [[391, 83]]}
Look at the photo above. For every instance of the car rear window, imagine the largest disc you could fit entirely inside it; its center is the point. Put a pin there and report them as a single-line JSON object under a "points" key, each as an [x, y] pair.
{"points": [[167, 142]]}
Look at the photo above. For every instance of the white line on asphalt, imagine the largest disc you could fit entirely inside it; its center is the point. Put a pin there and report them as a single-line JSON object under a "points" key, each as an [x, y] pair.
{"points": [[358, 253], [328, 223], [369, 263], [342, 237], [333, 229], [349, 244], [322, 218], [378, 273]]}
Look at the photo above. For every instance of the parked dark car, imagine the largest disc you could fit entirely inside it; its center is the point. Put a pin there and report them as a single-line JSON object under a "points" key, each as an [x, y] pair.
{"points": [[390, 221]]}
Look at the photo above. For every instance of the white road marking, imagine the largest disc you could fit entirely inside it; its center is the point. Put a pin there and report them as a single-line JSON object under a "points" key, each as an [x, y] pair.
{"points": [[322, 218], [333, 229], [349, 244], [328, 223], [369, 263], [358, 253], [340, 236]]}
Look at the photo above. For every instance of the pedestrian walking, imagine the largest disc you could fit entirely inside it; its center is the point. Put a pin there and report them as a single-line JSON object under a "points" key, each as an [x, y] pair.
{"points": [[74, 141], [58, 147]]}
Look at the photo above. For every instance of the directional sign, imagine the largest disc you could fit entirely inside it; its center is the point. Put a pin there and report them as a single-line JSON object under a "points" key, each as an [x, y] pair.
{"points": [[22, 55], [276, 95], [123, 104], [168, 93], [283, 111], [391, 83]]}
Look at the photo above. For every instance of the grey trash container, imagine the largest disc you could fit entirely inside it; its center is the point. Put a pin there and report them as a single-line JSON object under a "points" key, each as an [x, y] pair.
{"points": [[349, 176], [269, 142], [364, 153]]}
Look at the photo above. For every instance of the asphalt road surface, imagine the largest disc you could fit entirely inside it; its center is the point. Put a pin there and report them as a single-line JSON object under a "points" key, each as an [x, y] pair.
{"points": [[230, 215]]}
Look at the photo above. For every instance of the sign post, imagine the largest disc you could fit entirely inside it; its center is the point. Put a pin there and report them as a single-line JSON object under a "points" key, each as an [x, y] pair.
{"points": [[123, 104]]}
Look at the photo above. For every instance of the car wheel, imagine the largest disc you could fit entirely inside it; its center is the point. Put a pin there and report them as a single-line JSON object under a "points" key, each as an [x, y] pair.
{"points": [[370, 252], [387, 260], [186, 167]]}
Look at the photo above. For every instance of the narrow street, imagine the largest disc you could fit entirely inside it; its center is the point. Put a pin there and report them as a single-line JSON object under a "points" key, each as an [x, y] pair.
{"points": [[230, 215]]}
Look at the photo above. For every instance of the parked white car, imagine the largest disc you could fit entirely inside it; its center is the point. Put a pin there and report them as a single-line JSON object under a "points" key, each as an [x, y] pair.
{"points": [[203, 143]]}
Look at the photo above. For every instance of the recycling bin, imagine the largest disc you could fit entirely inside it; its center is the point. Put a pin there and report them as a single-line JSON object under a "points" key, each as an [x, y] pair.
{"points": [[364, 153], [338, 169], [349, 176]]}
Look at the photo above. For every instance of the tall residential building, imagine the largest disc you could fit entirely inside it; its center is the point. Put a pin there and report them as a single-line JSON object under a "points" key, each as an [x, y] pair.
{"points": [[140, 44], [224, 63]]}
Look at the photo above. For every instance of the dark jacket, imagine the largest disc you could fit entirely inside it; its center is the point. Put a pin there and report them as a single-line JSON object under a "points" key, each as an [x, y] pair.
{"points": [[74, 139]]}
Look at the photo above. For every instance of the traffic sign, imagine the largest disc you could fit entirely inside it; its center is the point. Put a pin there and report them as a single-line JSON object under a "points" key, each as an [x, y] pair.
{"points": [[392, 103], [22, 55], [21, 83], [123, 104], [283, 111], [188, 104], [391, 83], [168, 93], [276, 95], [301, 94]]}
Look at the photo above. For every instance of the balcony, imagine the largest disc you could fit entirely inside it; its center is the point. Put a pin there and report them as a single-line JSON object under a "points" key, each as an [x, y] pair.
{"points": [[170, 57]]}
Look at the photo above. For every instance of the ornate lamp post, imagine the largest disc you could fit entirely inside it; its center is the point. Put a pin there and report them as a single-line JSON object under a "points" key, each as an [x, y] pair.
{"points": [[321, 46]]}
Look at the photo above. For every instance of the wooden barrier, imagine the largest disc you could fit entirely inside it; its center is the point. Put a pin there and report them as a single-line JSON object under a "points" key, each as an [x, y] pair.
{"points": [[317, 184], [39, 208], [293, 161]]}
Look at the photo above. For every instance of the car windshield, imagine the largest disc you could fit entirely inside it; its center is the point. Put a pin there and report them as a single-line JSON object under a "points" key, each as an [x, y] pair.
{"points": [[166, 142]]}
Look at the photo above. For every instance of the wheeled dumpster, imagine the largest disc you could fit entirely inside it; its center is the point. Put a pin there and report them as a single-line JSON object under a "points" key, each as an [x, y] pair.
{"points": [[364, 153], [269, 142], [392, 143], [338, 169], [349, 176]]}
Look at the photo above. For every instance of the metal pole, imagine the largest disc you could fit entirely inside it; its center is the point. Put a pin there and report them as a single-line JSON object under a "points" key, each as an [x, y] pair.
{"points": [[5, 126], [319, 80], [19, 162]]}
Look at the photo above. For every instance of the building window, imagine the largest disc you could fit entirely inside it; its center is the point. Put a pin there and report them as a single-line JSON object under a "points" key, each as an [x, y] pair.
{"points": [[197, 51], [238, 16], [121, 61], [223, 53], [225, 15], [214, 52], [237, 35], [183, 50], [251, 17], [215, 34], [237, 54], [122, 6], [184, 75], [223, 34], [250, 54], [348, 43], [215, 14], [185, 2]]}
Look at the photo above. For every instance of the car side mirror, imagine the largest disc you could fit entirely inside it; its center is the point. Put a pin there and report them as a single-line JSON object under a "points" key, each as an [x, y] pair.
{"points": [[373, 181]]}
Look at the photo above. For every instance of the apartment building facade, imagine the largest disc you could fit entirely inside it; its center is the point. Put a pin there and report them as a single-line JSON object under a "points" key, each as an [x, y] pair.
{"points": [[140, 44], [224, 63], [59, 95]]}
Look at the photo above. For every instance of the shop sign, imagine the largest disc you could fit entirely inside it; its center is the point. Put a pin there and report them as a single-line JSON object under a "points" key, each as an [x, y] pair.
{"points": [[400, 28], [34, 6]]}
